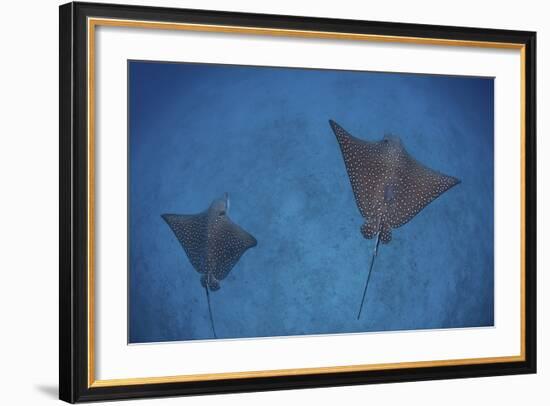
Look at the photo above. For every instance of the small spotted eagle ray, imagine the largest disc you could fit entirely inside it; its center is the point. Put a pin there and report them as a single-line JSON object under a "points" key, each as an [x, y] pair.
{"points": [[213, 243], [389, 185]]}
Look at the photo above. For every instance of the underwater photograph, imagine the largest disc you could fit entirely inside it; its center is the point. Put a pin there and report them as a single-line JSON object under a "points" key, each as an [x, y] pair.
{"points": [[273, 201]]}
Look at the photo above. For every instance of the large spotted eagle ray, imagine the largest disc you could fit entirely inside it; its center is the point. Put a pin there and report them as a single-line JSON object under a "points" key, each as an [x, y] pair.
{"points": [[213, 243], [389, 185]]}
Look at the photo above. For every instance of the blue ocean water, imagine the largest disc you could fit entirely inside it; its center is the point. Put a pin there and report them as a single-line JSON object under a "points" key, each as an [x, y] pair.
{"points": [[262, 135]]}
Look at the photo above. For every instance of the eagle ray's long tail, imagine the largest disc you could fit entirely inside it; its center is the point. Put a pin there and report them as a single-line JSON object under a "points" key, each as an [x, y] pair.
{"points": [[374, 253], [210, 312]]}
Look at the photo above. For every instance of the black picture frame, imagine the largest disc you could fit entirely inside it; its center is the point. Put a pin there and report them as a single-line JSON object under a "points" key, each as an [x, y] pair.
{"points": [[74, 385]]}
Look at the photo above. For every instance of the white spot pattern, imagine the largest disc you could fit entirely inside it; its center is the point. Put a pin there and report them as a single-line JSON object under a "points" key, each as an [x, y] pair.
{"points": [[389, 185], [213, 243]]}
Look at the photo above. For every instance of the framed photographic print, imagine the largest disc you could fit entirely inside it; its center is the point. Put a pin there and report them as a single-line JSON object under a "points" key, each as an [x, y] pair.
{"points": [[256, 202]]}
